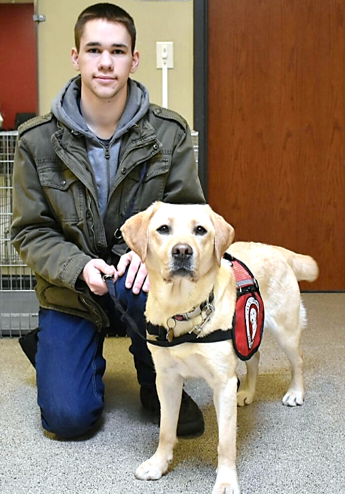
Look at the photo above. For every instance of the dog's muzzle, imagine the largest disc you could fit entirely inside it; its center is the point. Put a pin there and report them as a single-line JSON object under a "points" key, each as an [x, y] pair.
{"points": [[182, 260]]}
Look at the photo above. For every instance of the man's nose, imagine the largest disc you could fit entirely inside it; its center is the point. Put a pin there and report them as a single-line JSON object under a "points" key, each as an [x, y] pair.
{"points": [[106, 60]]}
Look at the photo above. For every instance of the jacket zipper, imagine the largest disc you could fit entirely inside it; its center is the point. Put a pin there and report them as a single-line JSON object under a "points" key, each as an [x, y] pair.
{"points": [[107, 157], [90, 212], [92, 228]]}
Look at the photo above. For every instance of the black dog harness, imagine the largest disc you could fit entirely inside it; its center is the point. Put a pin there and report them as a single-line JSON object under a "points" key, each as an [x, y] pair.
{"points": [[247, 324]]}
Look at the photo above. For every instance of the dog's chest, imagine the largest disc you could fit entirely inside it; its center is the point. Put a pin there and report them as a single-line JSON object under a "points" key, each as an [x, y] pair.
{"points": [[209, 361]]}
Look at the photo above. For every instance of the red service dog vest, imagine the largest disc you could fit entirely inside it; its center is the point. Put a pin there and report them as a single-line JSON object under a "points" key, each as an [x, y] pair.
{"points": [[248, 322]]}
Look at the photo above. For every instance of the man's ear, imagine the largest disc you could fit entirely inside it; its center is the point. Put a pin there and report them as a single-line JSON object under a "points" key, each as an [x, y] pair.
{"points": [[135, 230], [135, 62], [224, 234], [75, 58]]}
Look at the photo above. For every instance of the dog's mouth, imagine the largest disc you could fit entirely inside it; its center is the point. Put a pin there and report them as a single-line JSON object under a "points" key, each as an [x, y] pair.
{"points": [[182, 273], [178, 276], [182, 268]]}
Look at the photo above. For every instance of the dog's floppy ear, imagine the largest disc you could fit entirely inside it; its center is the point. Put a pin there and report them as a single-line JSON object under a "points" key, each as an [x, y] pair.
{"points": [[135, 229], [224, 234]]}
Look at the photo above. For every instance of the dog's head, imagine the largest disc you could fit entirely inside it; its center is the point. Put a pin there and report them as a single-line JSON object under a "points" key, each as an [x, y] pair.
{"points": [[178, 240]]}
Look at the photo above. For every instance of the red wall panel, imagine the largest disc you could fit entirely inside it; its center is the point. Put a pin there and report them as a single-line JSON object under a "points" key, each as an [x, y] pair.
{"points": [[18, 62]]}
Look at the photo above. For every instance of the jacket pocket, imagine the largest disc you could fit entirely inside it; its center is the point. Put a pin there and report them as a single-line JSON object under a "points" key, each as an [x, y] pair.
{"points": [[63, 190], [77, 303], [139, 196]]}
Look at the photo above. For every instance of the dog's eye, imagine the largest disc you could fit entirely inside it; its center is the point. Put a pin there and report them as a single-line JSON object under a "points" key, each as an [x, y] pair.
{"points": [[163, 230], [200, 230]]}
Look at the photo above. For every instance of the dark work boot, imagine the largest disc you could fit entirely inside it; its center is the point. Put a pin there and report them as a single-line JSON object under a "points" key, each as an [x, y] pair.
{"points": [[190, 419]]}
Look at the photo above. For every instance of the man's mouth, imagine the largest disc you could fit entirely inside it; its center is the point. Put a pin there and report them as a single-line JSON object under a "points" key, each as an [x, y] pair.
{"points": [[104, 78]]}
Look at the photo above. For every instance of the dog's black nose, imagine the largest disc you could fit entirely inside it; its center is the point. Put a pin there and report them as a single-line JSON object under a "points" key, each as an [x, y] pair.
{"points": [[182, 251]]}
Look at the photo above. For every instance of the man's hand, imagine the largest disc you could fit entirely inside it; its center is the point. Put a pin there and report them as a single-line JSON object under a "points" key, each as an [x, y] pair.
{"points": [[137, 277], [92, 275]]}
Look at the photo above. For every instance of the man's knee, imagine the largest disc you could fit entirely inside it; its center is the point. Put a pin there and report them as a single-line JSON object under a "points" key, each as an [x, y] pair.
{"points": [[70, 420]]}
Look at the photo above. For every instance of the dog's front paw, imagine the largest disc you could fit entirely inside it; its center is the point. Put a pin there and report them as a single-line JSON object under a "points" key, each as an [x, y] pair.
{"points": [[226, 482], [151, 470], [244, 397], [226, 489], [293, 398]]}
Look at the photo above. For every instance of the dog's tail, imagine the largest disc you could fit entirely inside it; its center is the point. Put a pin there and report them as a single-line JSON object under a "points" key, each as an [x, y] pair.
{"points": [[304, 267]]}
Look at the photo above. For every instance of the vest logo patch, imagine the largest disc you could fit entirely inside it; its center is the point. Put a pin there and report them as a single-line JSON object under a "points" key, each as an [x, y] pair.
{"points": [[252, 310]]}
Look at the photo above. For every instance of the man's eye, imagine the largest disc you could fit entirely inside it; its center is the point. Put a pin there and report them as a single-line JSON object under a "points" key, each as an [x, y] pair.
{"points": [[163, 230], [200, 230]]}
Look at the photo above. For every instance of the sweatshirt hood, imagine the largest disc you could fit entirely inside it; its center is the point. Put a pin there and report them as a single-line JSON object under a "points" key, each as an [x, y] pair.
{"points": [[66, 108]]}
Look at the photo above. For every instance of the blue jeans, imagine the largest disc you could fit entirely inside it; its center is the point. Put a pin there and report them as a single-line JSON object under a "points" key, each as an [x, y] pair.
{"points": [[70, 364]]}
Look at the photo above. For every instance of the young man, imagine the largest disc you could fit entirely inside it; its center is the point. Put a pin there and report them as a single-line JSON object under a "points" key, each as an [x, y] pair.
{"points": [[102, 154]]}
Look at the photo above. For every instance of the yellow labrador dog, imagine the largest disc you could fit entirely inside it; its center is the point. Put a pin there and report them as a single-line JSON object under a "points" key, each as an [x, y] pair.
{"points": [[183, 247]]}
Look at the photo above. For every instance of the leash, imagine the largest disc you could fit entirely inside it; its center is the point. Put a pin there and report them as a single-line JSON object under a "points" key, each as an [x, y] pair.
{"points": [[109, 279]]}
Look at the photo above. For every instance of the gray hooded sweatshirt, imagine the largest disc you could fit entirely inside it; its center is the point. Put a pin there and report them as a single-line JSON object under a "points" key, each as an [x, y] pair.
{"points": [[103, 155]]}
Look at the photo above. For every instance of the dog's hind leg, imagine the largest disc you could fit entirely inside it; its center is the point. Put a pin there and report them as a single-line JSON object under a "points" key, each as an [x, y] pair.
{"points": [[291, 347], [226, 408], [246, 393], [170, 393], [288, 338]]}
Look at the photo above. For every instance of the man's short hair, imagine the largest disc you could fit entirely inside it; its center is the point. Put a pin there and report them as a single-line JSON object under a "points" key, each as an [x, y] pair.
{"points": [[109, 12]]}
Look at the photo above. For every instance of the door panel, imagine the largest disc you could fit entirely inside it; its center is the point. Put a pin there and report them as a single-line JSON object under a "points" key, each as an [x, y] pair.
{"points": [[276, 141]]}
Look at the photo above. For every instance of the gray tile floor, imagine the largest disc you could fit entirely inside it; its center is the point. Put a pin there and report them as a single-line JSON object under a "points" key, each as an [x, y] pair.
{"points": [[280, 450]]}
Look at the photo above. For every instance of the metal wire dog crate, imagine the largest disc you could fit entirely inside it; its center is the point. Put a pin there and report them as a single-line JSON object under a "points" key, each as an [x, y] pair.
{"points": [[18, 304]]}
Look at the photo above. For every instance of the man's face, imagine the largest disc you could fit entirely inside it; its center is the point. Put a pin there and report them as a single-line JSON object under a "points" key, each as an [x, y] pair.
{"points": [[105, 59]]}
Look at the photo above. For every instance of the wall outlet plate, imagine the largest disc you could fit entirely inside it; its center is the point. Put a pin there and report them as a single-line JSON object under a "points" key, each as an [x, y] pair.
{"points": [[164, 52]]}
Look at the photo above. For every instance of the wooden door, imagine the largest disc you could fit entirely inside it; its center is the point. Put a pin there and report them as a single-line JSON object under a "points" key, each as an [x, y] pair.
{"points": [[276, 140]]}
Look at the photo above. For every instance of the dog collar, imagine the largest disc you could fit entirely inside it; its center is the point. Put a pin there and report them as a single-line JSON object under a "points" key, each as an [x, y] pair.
{"points": [[205, 310]]}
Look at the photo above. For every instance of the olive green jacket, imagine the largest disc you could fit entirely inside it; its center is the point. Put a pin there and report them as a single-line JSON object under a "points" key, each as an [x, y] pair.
{"points": [[57, 227]]}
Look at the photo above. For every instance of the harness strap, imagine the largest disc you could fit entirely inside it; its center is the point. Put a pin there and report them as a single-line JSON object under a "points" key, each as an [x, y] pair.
{"points": [[218, 335]]}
